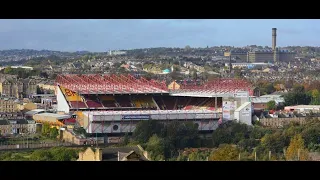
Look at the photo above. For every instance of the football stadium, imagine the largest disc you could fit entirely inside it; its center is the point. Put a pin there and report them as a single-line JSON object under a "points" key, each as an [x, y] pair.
{"points": [[114, 104]]}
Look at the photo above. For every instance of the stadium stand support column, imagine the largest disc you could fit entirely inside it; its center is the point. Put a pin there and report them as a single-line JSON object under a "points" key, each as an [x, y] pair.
{"points": [[155, 103], [215, 103]]}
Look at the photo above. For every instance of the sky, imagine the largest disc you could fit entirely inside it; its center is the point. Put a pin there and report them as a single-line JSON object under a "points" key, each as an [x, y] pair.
{"points": [[100, 35]]}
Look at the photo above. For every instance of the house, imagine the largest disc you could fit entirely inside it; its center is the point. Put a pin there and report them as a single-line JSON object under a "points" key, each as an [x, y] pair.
{"points": [[261, 102], [17, 126], [13, 87], [113, 154]]}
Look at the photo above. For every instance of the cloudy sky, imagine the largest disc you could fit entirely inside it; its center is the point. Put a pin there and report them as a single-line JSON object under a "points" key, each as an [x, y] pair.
{"points": [[102, 35]]}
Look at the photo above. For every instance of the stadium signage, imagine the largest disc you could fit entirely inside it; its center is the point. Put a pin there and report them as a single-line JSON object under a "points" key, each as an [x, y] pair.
{"points": [[136, 117], [241, 94]]}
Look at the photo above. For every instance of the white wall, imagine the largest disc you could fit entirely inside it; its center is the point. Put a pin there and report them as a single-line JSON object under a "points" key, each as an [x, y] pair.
{"points": [[61, 101], [244, 114], [129, 126]]}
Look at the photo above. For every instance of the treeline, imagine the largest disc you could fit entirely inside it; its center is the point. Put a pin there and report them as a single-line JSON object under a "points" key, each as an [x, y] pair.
{"points": [[45, 61], [52, 154], [307, 93], [24, 73], [299, 95], [230, 141], [164, 140]]}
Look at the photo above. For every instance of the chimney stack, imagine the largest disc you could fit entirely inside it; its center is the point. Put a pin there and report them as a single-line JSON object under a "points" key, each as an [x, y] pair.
{"points": [[274, 39]]}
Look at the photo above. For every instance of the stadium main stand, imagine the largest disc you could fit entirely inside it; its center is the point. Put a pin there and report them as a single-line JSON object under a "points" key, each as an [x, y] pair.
{"points": [[116, 103]]}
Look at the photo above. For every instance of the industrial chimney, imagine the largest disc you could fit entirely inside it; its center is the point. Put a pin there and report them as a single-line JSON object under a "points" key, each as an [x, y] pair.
{"points": [[274, 38]]}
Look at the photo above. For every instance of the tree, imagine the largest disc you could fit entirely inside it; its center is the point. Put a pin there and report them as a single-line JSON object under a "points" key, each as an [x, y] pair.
{"points": [[41, 155], [145, 129], [273, 142], [63, 154], [46, 129], [297, 96], [225, 153], [271, 105], [126, 139], [232, 132], [315, 97], [156, 148], [296, 149], [8, 70], [54, 132]]}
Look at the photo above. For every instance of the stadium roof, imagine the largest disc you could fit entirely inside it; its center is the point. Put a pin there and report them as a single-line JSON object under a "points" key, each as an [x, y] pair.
{"points": [[35, 111], [110, 84], [121, 84], [53, 115]]}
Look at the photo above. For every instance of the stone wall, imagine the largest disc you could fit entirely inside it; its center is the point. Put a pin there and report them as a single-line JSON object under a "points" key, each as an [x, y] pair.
{"points": [[280, 122]]}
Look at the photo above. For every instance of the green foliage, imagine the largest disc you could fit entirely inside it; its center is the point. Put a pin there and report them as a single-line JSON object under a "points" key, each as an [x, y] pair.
{"points": [[46, 129], [273, 142], [11, 156], [156, 148], [170, 137], [80, 131], [226, 153], [63, 154], [52, 154], [232, 132], [315, 97], [126, 139], [145, 129], [311, 135], [54, 132], [248, 144], [41, 155], [297, 96], [22, 73], [271, 105]]}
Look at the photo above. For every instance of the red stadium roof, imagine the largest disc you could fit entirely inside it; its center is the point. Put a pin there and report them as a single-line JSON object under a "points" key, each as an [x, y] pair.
{"points": [[121, 84], [218, 86], [110, 84]]}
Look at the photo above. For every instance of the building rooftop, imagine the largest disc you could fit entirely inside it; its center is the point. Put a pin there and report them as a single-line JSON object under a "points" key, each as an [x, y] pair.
{"points": [[57, 116]]}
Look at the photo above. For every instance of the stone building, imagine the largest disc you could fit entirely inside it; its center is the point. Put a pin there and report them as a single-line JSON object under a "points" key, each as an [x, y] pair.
{"points": [[8, 104], [11, 86]]}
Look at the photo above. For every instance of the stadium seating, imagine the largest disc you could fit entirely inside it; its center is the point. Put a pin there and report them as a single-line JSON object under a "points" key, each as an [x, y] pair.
{"points": [[160, 102], [92, 101], [123, 101], [78, 104], [182, 102], [93, 104], [145, 102], [169, 102], [108, 101]]}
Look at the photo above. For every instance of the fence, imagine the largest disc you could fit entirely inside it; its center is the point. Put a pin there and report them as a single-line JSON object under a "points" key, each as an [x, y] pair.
{"points": [[34, 146]]}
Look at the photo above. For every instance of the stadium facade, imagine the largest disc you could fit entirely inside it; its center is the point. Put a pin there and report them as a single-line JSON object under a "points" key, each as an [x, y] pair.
{"points": [[114, 104]]}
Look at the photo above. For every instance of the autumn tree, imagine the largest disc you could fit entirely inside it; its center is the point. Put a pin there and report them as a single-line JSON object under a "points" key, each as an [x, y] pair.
{"points": [[225, 153], [296, 149]]}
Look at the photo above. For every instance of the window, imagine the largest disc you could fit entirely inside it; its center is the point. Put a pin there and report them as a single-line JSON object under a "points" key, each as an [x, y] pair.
{"points": [[115, 127]]}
